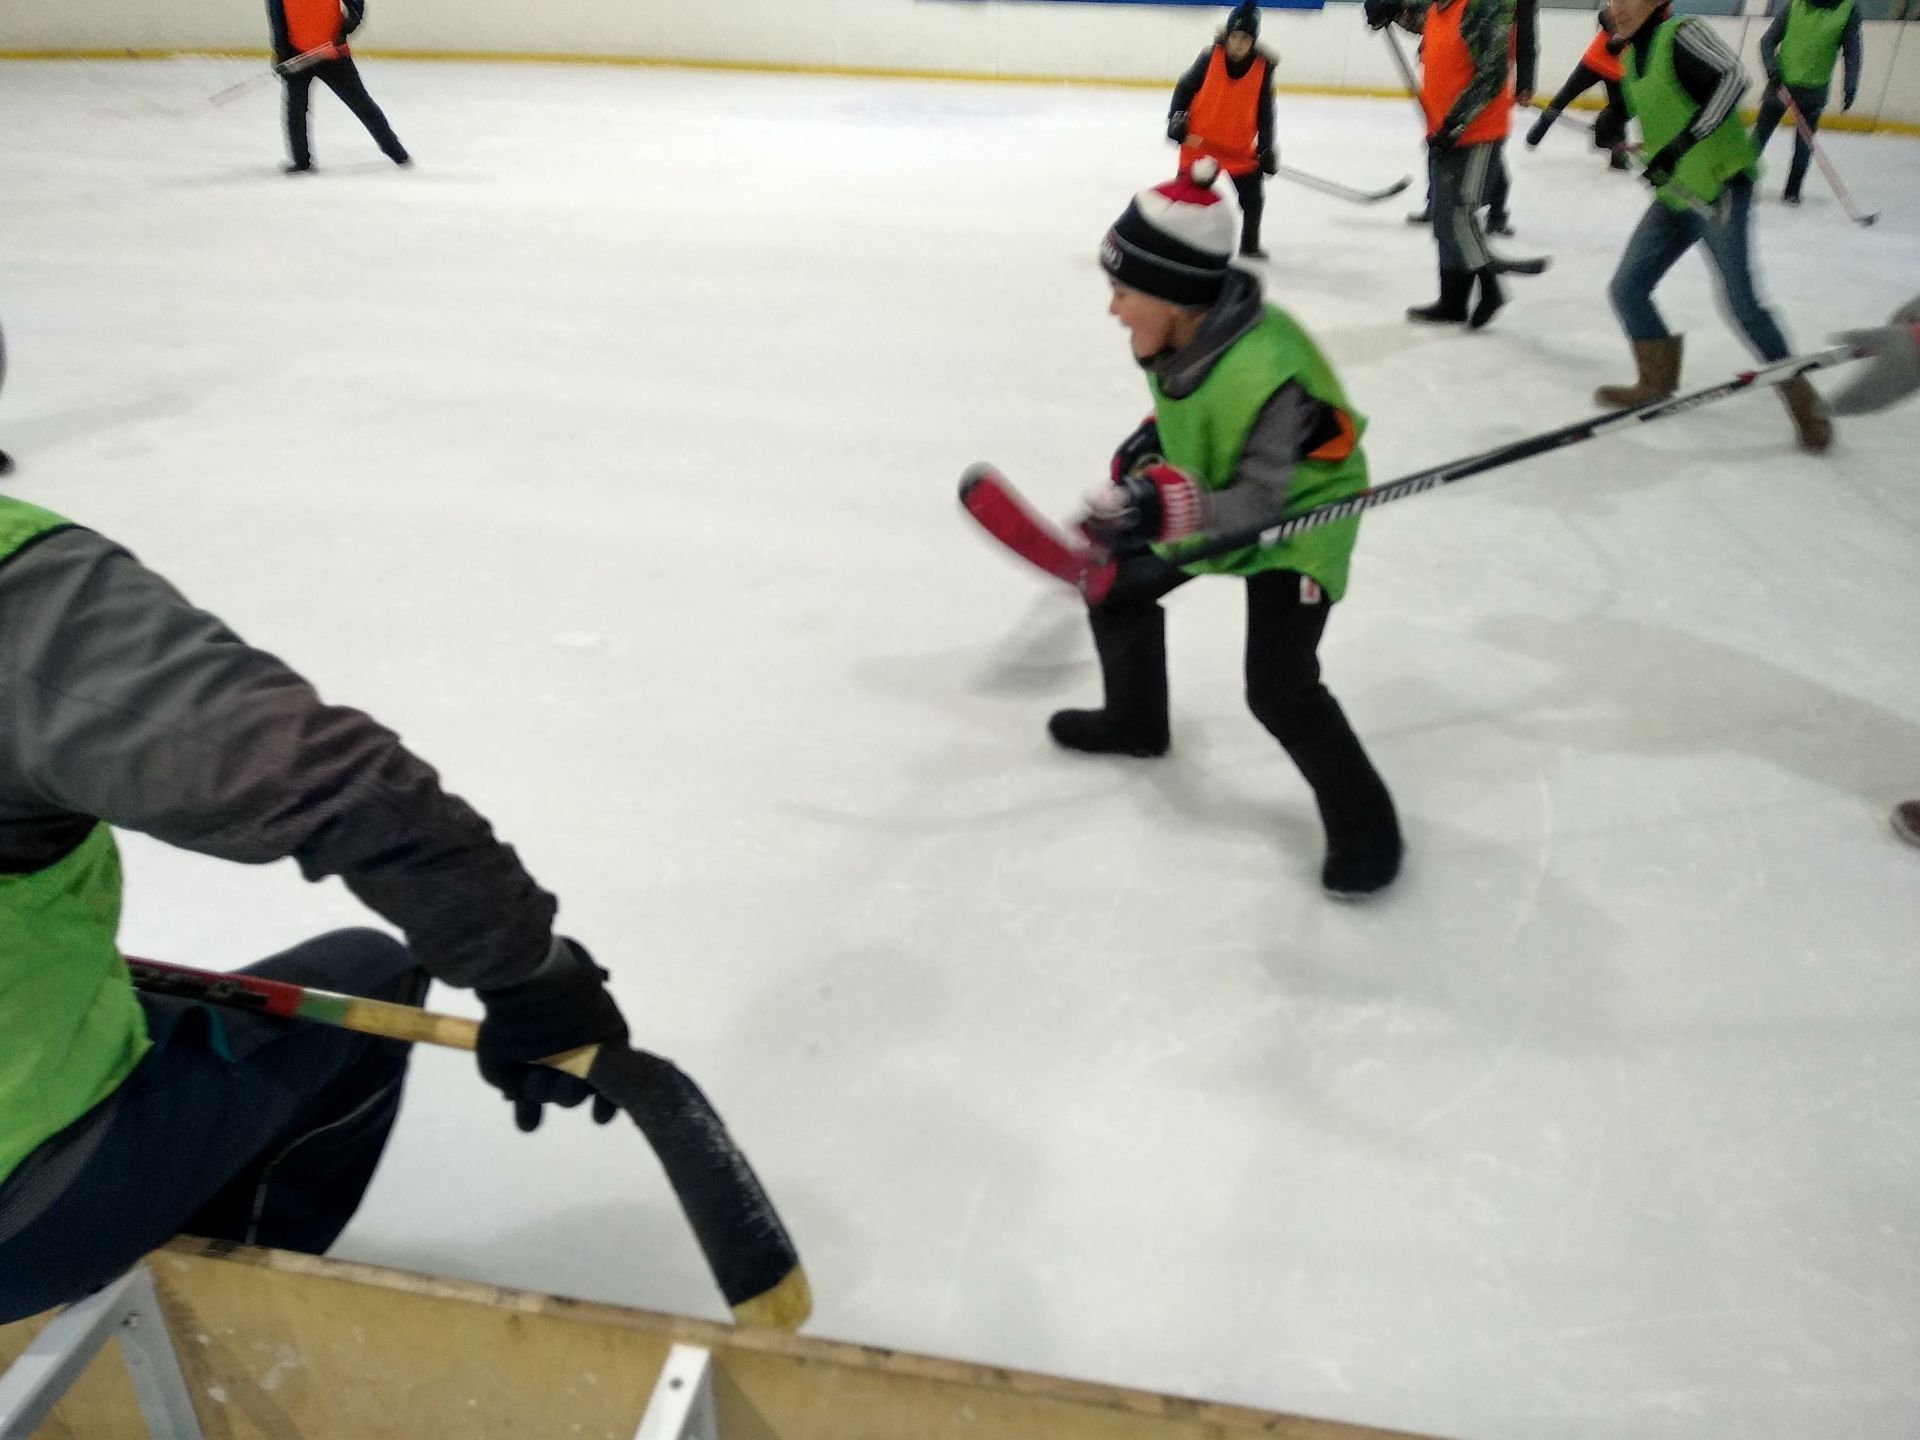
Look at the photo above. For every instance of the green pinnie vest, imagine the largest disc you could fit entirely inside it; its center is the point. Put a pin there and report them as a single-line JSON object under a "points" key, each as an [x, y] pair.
{"points": [[1205, 432], [70, 1027], [1812, 43], [1663, 108]]}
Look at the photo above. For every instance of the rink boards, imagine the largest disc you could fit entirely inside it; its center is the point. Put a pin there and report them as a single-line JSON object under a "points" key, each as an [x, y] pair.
{"points": [[277, 1346]]}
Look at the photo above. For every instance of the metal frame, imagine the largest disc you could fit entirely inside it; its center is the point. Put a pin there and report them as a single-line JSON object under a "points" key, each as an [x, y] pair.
{"points": [[129, 1311], [681, 1406]]}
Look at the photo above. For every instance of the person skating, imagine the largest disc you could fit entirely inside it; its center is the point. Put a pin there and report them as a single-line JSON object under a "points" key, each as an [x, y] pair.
{"points": [[1526, 65], [1248, 419], [1798, 51], [1466, 75], [1599, 64], [126, 1119], [314, 34], [1223, 108], [1682, 84]]}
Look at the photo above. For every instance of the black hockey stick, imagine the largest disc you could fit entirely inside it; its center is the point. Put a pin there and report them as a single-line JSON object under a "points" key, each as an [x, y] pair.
{"points": [[1826, 165], [1894, 375], [746, 1246], [1344, 192]]}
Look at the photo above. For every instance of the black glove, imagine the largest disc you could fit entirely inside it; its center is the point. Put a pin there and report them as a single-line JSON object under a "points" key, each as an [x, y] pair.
{"points": [[1665, 161], [1268, 160], [1443, 140], [562, 1006], [1137, 451], [1382, 13], [1177, 127]]}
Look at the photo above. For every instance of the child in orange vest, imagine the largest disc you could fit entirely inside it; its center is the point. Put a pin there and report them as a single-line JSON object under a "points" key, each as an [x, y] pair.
{"points": [[1466, 91], [1223, 108], [309, 44], [1599, 65]]}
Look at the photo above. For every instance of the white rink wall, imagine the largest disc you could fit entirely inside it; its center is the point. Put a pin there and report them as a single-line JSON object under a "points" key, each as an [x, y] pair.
{"points": [[986, 38]]}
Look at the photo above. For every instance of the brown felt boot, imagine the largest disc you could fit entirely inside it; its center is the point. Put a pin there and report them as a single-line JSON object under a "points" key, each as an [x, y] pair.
{"points": [[1659, 364], [1809, 412]]}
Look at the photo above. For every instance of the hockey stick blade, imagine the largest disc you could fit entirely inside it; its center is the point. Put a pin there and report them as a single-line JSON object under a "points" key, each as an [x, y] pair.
{"points": [[747, 1248], [987, 496], [1894, 372], [1530, 265], [1343, 192]]}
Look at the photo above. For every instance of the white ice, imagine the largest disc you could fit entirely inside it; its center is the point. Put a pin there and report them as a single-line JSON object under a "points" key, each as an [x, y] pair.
{"points": [[609, 455]]}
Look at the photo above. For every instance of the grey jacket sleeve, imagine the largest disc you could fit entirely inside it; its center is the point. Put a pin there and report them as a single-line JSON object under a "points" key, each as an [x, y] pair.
{"points": [[1264, 476], [119, 700], [1770, 46], [1850, 52]]}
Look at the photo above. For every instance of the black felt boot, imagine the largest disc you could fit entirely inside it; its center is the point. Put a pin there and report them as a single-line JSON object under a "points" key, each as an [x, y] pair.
{"points": [[1492, 297], [1132, 641], [1451, 307]]}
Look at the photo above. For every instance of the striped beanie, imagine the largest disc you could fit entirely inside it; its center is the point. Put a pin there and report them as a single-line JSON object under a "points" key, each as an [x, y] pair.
{"points": [[1175, 241]]}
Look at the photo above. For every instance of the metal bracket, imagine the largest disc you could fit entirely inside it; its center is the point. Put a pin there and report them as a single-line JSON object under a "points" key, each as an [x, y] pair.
{"points": [[127, 1311], [681, 1406]]}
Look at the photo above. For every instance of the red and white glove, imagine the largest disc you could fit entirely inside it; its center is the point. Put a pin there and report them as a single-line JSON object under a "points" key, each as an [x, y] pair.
{"points": [[1157, 503]]}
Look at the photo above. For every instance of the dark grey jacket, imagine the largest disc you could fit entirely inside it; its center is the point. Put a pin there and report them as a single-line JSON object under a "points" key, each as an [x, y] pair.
{"points": [[120, 701]]}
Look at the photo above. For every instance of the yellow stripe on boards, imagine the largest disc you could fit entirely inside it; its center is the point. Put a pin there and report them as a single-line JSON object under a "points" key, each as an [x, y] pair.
{"points": [[1861, 124]]}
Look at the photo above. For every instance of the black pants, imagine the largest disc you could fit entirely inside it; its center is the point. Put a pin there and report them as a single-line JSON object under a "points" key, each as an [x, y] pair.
{"points": [[340, 76], [234, 1126], [1812, 101], [1499, 187], [1459, 180], [1252, 190], [1286, 615]]}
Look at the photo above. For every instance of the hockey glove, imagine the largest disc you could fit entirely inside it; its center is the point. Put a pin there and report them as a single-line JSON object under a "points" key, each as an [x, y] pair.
{"points": [[1158, 503], [1177, 127], [562, 1006], [1268, 160], [1137, 451], [1660, 168], [1381, 13], [1442, 141]]}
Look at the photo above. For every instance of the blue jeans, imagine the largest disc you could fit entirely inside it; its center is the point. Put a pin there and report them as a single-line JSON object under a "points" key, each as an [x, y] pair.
{"points": [[234, 1126], [1663, 236]]}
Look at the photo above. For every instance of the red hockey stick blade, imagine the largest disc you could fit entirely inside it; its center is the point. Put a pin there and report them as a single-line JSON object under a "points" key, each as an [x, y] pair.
{"points": [[997, 506]]}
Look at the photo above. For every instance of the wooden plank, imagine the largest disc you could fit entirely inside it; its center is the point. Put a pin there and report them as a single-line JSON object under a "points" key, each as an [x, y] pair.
{"points": [[292, 1347]]}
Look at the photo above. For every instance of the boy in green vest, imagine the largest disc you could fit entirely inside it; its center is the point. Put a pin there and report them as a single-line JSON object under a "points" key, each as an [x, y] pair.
{"points": [[1798, 51], [126, 1119], [1249, 420], [1682, 83]]}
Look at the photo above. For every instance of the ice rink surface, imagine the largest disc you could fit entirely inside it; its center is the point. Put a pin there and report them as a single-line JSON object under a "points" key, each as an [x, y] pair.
{"points": [[609, 456]]}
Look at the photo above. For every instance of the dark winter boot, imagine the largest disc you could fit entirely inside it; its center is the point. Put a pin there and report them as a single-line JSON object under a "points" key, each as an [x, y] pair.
{"points": [[1659, 364], [1451, 307], [1810, 424], [1790, 197], [6, 463], [1906, 821], [1355, 871], [1132, 642], [1422, 216], [1492, 297], [1501, 224]]}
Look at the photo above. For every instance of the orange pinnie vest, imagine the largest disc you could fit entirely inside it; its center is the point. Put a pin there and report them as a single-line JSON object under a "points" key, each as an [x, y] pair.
{"points": [[311, 23], [1447, 69], [1224, 119], [1599, 60]]}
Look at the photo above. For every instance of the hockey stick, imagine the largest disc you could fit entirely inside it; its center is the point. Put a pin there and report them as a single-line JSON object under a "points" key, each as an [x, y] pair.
{"points": [[1344, 192], [1826, 165], [305, 60], [987, 496], [1406, 73], [1301, 177], [746, 1246]]}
